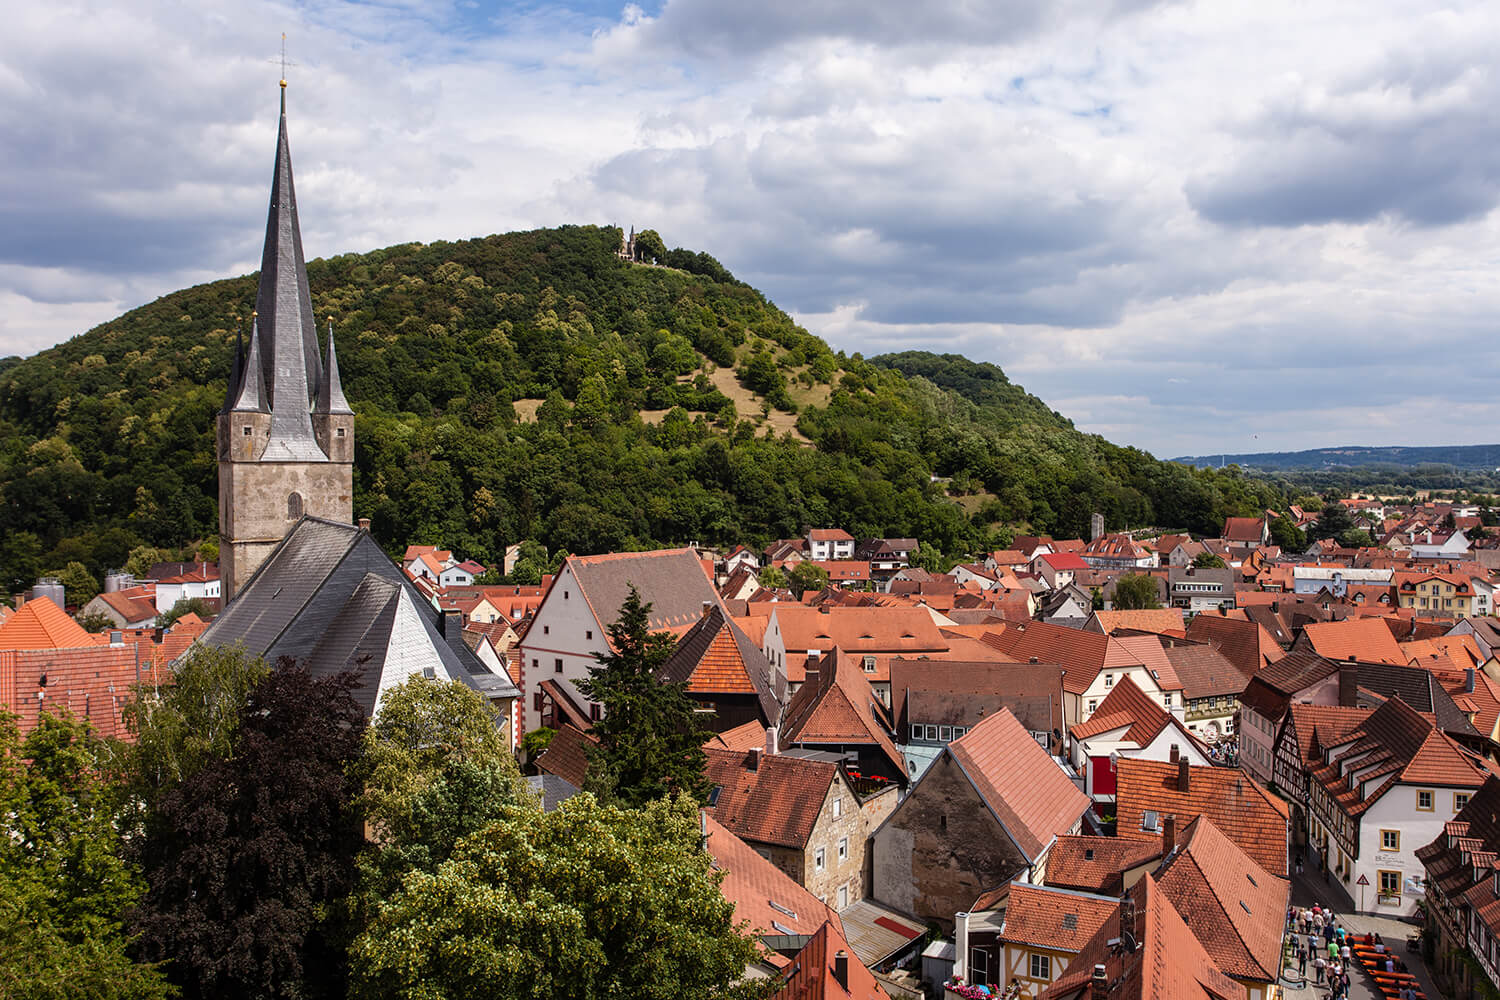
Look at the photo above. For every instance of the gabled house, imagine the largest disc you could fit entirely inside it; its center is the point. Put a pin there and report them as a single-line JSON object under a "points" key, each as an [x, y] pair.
{"points": [[1211, 687], [1440, 545], [1147, 953], [800, 814], [1160, 621], [1380, 793], [1118, 551], [984, 813], [1103, 865], [1247, 532], [1302, 677], [1149, 791], [795, 634], [1234, 907], [134, 607], [726, 674], [570, 625], [1247, 644], [836, 711], [1196, 590], [1436, 595], [936, 701], [1032, 939], [829, 543], [1462, 894], [1128, 724], [1304, 732], [201, 582], [1058, 569]]}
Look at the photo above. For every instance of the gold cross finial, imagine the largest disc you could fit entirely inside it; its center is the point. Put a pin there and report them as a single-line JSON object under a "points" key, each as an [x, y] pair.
{"points": [[283, 60]]}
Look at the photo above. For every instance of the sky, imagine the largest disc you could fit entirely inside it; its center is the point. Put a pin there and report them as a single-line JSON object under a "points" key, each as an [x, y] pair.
{"points": [[1191, 227]]}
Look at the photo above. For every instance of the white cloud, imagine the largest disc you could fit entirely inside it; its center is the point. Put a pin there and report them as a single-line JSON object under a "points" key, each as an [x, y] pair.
{"points": [[1175, 222]]}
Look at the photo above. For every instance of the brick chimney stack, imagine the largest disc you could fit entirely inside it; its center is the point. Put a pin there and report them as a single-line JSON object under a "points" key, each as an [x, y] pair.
{"points": [[1183, 781], [1174, 753], [1168, 835], [1099, 983]]}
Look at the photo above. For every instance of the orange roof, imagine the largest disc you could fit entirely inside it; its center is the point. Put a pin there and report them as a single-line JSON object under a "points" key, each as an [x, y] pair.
{"points": [[1126, 705], [1243, 642], [1028, 793], [747, 736], [1097, 864], [1246, 813], [838, 707], [872, 629], [1368, 640], [814, 976], [1163, 621], [41, 624], [777, 801], [762, 894], [1056, 919], [1081, 654], [91, 683]]}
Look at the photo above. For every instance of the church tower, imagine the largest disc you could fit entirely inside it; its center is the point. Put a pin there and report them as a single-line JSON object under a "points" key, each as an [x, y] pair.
{"points": [[286, 432]]}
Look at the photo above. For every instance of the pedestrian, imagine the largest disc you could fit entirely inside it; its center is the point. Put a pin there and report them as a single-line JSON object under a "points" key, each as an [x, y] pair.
{"points": [[1299, 864], [1319, 964], [1312, 944], [1344, 952], [1301, 961], [1333, 951]]}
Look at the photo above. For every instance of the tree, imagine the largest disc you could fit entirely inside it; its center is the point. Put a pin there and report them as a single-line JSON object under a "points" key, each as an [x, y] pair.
{"points": [[79, 585], [649, 246], [438, 769], [246, 858], [773, 577], [589, 900], [188, 724], [94, 621], [1331, 523], [1207, 560], [805, 576], [1287, 535], [22, 555], [64, 887], [183, 606], [1136, 591], [650, 743]]}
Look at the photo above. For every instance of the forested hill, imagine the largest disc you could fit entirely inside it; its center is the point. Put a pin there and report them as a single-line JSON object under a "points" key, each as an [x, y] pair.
{"points": [[534, 386]]}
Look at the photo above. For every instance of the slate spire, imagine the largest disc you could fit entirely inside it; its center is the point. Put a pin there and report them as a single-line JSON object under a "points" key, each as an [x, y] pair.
{"points": [[252, 395], [288, 340], [330, 392], [236, 372]]}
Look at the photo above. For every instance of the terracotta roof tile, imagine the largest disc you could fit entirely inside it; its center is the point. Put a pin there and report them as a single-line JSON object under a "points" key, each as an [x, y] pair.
{"points": [[838, 707], [1125, 705], [1243, 811], [1097, 864], [747, 736], [1245, 643], [812, 976], [1164, 621], [1205, 672], [777, 802], [1032, 797], [41, 624], [757, 888], [1057, 919], [567, 755], [1365, 639]]}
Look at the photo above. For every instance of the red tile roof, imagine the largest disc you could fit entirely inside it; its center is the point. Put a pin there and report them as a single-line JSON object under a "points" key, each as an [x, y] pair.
{"points": [[1365, 639], [1065, 561], [1235, 908], [1205, 672], [1247, 645], [1028, 793], [567, 755], [837, 706], [1243, 529], [1056, 919], [1243, 811], [1163, 621], [134, 606], [1126, 705], [1097, 864], [757, 888], [813, 975], [747, 736], [40, 624], [829, 535], [91, 683], [778, 802], [1081, 654]]}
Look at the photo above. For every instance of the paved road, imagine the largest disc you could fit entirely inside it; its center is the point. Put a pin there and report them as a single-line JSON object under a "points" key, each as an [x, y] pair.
{"points": [[1309, 889]]}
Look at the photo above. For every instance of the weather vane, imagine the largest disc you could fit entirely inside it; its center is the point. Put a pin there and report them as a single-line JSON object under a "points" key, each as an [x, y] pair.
{"points": [[284, 63]]}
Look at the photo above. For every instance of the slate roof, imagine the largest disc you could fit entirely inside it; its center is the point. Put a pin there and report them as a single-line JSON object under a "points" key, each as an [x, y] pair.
{"points": [[41, 624], [1205, 672], [715, 656], [1028, 793], [1055, 919], [1416, 686], [1242, 810], [1097, 864], [778, 802], [958, 692], [328, 598], [1234, 907], [837, 707], [672, 580], [551, 790]]}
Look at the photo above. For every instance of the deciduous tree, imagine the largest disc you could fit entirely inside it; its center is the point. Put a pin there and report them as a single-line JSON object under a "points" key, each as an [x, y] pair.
{"points": [[1136, 591]]}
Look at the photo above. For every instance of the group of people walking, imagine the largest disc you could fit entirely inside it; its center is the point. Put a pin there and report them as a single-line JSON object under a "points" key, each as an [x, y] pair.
{"points": [[1322, 941]]}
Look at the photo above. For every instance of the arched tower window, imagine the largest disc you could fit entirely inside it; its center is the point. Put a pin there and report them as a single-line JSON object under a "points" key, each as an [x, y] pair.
{"points": [[294, 505]]}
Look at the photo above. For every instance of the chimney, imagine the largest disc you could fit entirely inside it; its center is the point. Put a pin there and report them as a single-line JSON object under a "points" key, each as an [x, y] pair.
{"points": [[1174, 753], [453, 624], [752, 760], [364, 525], [1468, 680], [841, 969], [771, 747], [1348, 685], [117, 641], [1099, 984], [1183, 781], [823, 609], [707, 607], [1168, 834]]}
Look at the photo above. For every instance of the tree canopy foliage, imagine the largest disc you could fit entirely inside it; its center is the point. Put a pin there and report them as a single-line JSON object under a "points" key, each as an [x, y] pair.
{"points": [[1136, 592], [499, 384]]}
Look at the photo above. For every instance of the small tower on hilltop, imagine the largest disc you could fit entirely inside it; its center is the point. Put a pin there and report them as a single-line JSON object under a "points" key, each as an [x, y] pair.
{"points": [[286, 432], [627, 249]]}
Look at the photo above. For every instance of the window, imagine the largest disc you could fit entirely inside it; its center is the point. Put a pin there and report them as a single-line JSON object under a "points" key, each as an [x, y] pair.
{"points": [[1390, 840], [294, 505], [869, 664], [1390, 883], [595, 712], [340, 432], [588, 633], [818, 859], [557, 666], [958, 731], [1149, 820], [1460, 799], [1041, 967], [932, 732], [533, 663], [546, 630], [917, 731], [979, 967], [1424, 799], [945, 733], [565, 595], [245, 430], [843, 896], [538, 701], [1166, 699], [1093, 704], [843, 848], [838, 807], [1109, 680]]}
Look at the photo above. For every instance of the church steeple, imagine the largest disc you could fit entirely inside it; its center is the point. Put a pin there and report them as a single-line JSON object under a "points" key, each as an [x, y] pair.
{"points": [[288, 337], [236, 372], [252, 394], [330, 392]]}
